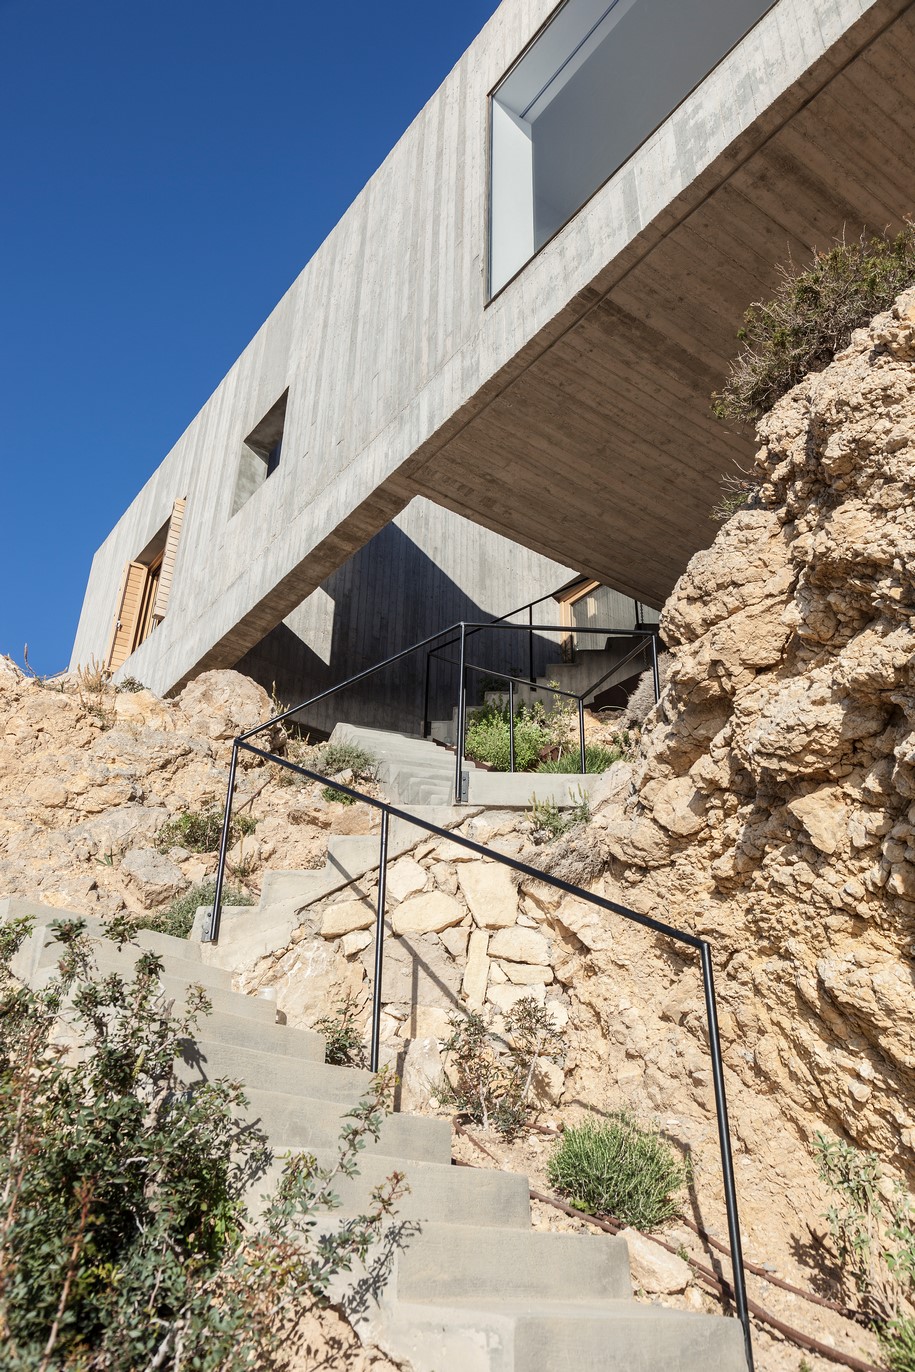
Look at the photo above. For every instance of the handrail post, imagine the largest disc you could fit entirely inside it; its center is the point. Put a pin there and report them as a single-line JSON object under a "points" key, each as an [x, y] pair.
{"points": [[724, 1141], [210, 932], [581, 733], [379, 942], [511, 725], [427, 725], [530, 644], [459, 741], [655, 672]]}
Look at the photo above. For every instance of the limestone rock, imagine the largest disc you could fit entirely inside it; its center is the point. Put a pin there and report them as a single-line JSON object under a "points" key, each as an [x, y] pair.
{"points": [[345, 917], [421, 1074], [406, 878], [654, 1269], [476, 972], [824, 815], [155, 877], [520, 945], [455, 940], [427, 913], [417, 970], [490, 893], [505, 997]]}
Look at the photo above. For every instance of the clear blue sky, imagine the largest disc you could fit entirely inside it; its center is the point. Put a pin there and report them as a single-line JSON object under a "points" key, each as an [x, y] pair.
{"points": [[168, 167]]}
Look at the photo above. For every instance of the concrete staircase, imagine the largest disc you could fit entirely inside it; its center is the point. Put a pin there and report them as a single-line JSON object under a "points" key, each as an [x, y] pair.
{"points": [[466, 1285], [420, 772]]}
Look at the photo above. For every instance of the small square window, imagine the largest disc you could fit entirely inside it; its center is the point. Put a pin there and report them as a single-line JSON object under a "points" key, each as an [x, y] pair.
{"points": [[260, 453]]}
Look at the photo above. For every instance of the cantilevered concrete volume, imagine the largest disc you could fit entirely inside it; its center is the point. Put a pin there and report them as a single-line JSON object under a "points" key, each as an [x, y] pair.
{"points": [[521, 319]]}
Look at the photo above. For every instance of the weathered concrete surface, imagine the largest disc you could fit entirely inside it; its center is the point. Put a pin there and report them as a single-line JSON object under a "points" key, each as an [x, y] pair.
{"points": [[574, 399]]}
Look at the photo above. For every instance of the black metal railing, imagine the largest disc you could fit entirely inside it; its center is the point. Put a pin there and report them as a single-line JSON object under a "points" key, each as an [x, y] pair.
{"points": [[647, 639], [668, 931]]}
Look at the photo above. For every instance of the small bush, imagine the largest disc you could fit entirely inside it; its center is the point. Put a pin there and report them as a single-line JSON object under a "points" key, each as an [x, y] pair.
{"points": [[343, 1046], [333, 796], [616, 1167], [124, 1242], [200, 830], [129, 685], [177, 919], [898, 1339], [487, 737], [490, 1079], [597, 759], [335, 758], [811, 317]]}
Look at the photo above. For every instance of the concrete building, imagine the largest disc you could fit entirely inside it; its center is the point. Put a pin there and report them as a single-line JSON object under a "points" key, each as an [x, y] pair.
{"points": [[513, 334]]}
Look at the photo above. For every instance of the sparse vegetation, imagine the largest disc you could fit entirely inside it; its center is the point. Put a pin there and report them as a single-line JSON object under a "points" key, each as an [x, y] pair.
{"points": [[333, 796], [487, 736], [177, 919], [597, 758], [490, 1078], [124, 1242], [343, 1045], [872, 1228], [129, 685], [737, 493], [812, 317], [548, 821], [199, 831], [335, 758], [616, 1166]]}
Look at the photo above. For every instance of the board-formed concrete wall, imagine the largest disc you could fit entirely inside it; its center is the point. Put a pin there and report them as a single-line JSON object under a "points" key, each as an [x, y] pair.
{"points": [[571, 412]]}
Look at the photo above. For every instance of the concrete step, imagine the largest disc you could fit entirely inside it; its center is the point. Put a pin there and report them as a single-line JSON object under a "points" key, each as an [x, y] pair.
{"points": [[207, 1058], [236, 1031], [450, 1263], [439, 1192], [515, 790], [494, 1335], [293, 1123]]}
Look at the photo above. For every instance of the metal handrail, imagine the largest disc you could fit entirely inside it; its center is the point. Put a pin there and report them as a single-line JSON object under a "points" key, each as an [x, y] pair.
{"points": [[460, 740], [693, 941], [578, 697]]}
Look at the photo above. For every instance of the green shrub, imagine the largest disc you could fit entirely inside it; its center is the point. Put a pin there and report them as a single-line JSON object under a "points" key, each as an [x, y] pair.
{"points": [[177, 919], [872, 1228], [343, 1045], [487, 737], [898, 1339], [490, 1079], [549, 822], [811, 317], [124, 1242], [335, 758], [333, 796], [200, 830], [617, 1167], [597, 759]]}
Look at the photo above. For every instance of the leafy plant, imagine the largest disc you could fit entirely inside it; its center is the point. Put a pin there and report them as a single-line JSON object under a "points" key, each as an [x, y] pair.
{"points": [[548, 822], [200, 830], [616, 1166], [490, 1078], [811, 317], [124, 1242], [872, 1227], [597, 759], [129, 685], [487, 736], [333, 796], [343, 1045], [898, 1339], [177, 919], [335, 758]]}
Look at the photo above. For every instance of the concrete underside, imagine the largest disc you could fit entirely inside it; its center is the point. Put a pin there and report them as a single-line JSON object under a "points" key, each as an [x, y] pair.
{"points": [[597, 446], [572, 412]]}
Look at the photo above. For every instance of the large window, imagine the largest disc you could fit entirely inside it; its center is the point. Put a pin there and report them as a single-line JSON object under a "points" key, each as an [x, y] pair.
{"points": [[589, 90]]}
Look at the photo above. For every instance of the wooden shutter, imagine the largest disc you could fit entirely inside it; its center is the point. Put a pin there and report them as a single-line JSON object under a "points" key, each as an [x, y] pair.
{"points": [[168, 559], [123, 636]]}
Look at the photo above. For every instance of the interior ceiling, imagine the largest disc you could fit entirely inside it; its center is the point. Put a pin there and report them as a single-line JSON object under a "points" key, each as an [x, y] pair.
{"points": [[603, 453]]}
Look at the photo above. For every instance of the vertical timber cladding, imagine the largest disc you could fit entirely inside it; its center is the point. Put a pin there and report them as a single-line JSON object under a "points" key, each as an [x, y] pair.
{"points": [[145, 589]]}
